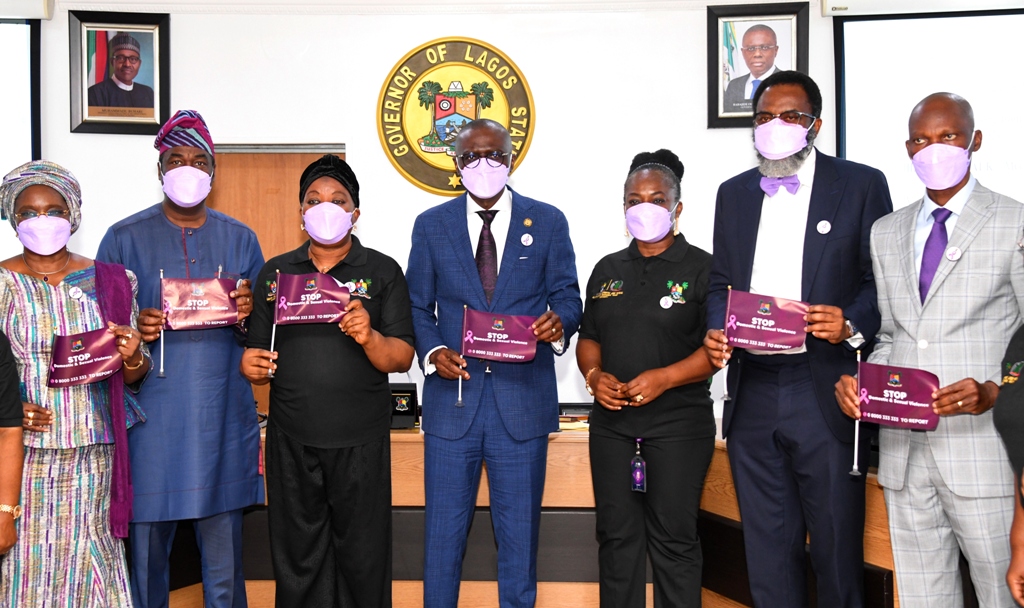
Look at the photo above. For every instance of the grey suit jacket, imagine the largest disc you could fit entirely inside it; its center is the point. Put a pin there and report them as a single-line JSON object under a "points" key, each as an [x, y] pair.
{"points": [[961, 331]]}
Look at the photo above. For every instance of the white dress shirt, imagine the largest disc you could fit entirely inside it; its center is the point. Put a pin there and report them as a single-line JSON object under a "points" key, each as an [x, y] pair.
{"points": [[925, 220], [779, 251]]}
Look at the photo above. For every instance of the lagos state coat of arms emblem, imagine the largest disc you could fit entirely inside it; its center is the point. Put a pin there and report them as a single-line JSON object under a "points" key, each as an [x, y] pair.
{"points": [[433, 92]]}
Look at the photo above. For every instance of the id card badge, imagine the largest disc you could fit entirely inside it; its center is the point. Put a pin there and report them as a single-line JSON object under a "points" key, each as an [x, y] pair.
{"points": [[638, 470]]}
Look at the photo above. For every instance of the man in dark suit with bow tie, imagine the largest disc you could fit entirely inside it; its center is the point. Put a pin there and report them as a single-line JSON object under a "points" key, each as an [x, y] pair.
{"points": [[501, 413], [797, 227]]}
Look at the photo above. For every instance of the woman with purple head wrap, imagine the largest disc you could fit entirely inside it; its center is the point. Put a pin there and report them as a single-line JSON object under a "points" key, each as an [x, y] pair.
{"points": [[76, 490]]}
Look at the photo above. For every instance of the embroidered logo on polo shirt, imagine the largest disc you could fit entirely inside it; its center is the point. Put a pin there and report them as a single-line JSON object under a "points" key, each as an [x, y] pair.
{"points": [[1013, 372], [359, 288], [609, 289], [675, 291], [271, 290]]}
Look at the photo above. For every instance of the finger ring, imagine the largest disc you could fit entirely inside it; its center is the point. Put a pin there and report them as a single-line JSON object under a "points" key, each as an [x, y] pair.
{"points": [[30, 414], [959, 403], [129, 335], [639, 398]]}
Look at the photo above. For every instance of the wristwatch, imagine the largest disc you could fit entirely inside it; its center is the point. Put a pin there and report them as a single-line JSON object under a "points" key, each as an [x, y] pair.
{"points": [[15, 511], [850, 327]]}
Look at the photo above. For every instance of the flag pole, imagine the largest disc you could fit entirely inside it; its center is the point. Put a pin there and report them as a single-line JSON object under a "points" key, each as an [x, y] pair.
{"points": [[855, 472], [273, 330], [462, 352], [161, 373], [725, 332]]}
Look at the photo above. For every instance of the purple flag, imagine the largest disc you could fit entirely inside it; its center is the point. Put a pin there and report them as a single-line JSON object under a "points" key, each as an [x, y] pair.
{"points": [[763, 322], [83, 358], [309, 298], [497, 337], [198, 303], [897, 396]]}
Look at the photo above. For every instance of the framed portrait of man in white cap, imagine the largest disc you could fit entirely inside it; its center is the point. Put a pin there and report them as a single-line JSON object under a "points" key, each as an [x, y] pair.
{"points": [[119, 72]]}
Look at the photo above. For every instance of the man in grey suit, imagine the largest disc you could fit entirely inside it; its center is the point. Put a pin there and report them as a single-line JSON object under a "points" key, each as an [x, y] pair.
{"points": [[760, 47], [950, 281]]}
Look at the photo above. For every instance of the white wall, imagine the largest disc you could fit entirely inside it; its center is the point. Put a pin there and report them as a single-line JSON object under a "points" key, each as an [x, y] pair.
{"points": [[607, 82]]}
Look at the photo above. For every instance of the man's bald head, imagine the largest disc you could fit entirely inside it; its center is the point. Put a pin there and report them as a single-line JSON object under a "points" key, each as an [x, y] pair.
{"points": [[951, 105], [478, 125]]}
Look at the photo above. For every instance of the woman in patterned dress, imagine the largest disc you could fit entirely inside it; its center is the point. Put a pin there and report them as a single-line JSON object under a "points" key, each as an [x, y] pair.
{"points": [[76, 490]]}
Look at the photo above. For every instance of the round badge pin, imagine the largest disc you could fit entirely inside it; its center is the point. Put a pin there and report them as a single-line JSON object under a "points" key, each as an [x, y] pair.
{"points": [[527, 222], [824, 227], [953, 254], [76, 293], [527, 239], [666, 302], [351, 287]]}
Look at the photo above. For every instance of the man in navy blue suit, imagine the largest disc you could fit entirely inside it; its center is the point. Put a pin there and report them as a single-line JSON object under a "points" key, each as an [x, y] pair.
{"points": [[797, 227], [524, 265]]}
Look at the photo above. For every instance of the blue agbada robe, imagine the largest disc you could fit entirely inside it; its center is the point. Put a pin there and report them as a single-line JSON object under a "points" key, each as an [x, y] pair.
{"points": [[197, 454]]}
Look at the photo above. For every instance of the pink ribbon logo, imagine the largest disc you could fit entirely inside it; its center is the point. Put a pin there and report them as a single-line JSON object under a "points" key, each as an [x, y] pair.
{"points": [[282, 303], [732, 322], [469, 336], [864, 396]]}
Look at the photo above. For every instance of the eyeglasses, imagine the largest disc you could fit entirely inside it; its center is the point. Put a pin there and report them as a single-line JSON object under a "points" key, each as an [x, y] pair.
{"points": [[127, 59], [30, 215], [764, 48], [470, 160], [792, 117]]}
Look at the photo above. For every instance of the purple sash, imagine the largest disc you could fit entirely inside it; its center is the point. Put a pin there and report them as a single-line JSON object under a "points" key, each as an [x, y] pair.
{"points": [[114, 292]]}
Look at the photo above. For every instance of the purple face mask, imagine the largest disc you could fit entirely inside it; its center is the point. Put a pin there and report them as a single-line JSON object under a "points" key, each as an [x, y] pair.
{"points": [[648, 222], [187, 186], [779, 139], [942, 166], [44, 235], [484, 181], [327, 223]]}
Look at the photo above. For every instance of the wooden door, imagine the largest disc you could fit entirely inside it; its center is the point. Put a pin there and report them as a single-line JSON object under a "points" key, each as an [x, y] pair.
{"points": [[259, 186]]}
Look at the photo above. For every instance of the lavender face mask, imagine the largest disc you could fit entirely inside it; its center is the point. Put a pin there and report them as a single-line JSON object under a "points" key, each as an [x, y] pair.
{"points": [[648, 222], [942, 166], [187, 186], [327, 223], [779, 139], [44, 235]]}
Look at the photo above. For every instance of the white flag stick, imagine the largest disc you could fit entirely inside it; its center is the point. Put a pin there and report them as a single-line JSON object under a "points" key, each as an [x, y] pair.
{"points": [[273, 330], [855, 472], [462, 352], [161, 374], [725, 332]]}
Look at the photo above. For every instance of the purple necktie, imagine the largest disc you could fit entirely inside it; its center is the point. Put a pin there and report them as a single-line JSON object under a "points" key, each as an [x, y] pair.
{"points": [[933, 249], [771, 185], [487, 255]]}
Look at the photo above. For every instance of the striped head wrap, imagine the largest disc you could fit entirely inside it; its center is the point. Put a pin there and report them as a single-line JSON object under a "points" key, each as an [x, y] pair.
{"points": [[185, 128], [42, 173]]}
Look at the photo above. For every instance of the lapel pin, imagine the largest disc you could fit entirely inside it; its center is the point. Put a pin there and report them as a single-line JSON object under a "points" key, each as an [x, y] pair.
{"points": [[527, 222], [953, 254], [665, 302], [527, 240], [76, 293], [824, 227]]}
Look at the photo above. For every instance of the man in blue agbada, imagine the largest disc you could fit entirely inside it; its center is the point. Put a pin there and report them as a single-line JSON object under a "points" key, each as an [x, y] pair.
{"points": [[197, 456]]}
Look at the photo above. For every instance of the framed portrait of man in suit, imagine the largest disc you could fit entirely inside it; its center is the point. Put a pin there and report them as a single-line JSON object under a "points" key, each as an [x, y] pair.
{"points": [[746, 44], [120, 72]]}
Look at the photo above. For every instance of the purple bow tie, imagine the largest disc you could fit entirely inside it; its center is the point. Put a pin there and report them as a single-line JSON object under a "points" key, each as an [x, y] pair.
{"points": [[771, 185]]}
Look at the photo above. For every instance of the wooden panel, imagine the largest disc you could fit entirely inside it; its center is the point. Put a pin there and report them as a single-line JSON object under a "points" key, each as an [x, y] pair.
{"points": [[261, 190], [568, 481]]}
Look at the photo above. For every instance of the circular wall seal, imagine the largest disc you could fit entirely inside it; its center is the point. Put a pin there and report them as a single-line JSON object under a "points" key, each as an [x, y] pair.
{"points": [[433, 92]]}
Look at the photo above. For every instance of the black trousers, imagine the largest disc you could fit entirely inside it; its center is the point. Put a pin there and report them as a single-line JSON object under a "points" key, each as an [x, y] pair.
{"points": [[330, 523], [661, 523]]}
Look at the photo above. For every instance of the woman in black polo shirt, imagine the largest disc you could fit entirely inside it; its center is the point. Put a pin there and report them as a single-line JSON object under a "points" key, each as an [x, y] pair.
{"points": [[652, 431], [328, 451]]}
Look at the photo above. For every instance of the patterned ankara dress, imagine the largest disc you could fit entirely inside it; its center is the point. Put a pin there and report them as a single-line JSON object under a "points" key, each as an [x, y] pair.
{"points": [[66, 554]]}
